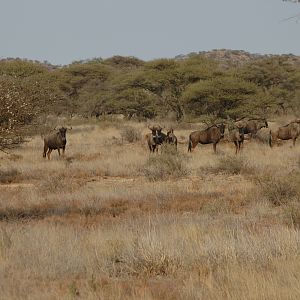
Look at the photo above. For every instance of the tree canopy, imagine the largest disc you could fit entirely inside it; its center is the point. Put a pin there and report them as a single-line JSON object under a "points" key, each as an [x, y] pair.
{"points": [[189, 87]]}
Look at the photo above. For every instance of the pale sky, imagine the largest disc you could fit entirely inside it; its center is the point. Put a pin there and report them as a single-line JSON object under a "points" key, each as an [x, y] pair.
{"points": [[61, 31]]}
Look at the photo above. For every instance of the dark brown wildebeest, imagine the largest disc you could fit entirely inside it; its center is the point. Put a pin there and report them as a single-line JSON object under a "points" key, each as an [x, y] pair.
{"points": [[155, 138], [210, 135], [287, 132], [171, 138], [251, 126], [236, 135], [55, 141]]}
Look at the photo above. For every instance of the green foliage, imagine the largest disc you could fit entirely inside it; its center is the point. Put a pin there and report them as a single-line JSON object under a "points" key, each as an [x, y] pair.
{"points": [[194, 87], [26, 94], [278, 76], [20, 68], [21, 102], [222, 97], [124, 62]]}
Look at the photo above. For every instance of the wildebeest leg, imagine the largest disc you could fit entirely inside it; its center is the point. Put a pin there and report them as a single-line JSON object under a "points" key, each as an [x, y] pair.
{"points": [[215, 147], [192, 146], [270, 140], [63, 150], [236, 147], [240, 145], [49, 152], [58, 151], [45, 150], [273, 139], [152, 148]]}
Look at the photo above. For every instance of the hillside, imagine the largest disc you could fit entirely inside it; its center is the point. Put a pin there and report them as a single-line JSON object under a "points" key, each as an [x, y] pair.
{"points": [[238, 57]]}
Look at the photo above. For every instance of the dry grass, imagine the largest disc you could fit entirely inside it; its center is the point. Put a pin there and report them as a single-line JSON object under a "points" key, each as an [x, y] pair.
{"points": [[168, 165], [93, 226]]}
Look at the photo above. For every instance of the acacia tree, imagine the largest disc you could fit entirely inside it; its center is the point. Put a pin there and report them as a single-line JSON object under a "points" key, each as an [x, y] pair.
{"points": [[21, 102], [225, 97]]}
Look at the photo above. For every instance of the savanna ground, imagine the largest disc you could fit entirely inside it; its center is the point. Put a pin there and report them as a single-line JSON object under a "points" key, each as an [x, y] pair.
{"points": [[110, 221]]}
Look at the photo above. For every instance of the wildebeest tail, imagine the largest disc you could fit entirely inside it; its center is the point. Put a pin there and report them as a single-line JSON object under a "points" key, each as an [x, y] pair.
{"points": [[270, 139], [190, 145]]}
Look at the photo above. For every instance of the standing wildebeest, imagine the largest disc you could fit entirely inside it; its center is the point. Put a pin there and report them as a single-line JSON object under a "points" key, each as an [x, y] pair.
{"points": [[171, 138], [155, 138], [236, 135], [251, 126], [55, 141], [211, 135], [287, 132]]}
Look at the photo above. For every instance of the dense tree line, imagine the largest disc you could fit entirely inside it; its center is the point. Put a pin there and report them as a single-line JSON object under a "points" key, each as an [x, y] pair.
{"points": [[191, 87]]}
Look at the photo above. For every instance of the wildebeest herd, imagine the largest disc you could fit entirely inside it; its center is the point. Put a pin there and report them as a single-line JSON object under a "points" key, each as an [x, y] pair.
{"points": [[236, 134], [211, 135]]}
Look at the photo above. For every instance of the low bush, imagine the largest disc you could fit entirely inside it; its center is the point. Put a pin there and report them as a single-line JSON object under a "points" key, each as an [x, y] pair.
{"points": [[9, 175], [232, 165], [58, 183], [130, 134], [279, 190], [165, 166]]}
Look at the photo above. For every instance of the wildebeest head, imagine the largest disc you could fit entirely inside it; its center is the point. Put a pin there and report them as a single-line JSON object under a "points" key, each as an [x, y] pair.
{"points": [[156, 134], [241, 132], [159, 138], [260, 123], [62, 133], [266, 123], [171, 130], [221, 128]]}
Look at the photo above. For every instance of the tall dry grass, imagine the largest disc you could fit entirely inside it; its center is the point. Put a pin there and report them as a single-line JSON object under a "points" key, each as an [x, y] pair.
{"points": [[93, 226]]}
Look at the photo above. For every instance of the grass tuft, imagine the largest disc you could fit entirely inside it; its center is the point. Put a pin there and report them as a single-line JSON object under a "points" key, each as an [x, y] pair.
{"points": [[165, 166]]}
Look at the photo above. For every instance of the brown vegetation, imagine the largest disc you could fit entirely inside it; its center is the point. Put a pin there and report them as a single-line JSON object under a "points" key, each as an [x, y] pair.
{"points": [[111, 221]]}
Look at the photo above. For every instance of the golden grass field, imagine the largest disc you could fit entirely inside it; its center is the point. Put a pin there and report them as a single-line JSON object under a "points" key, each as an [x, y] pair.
{"points": [[103, 223]]}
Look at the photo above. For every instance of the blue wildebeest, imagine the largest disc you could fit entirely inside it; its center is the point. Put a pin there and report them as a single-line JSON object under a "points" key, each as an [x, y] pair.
{"points": [[55, 141], [210, 135], [236, 135], [251, 126], [171, 138], [290, 131], [155, 138]]}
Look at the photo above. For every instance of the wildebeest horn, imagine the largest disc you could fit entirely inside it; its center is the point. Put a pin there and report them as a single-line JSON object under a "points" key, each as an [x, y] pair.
{"points": [[151, 128]]}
